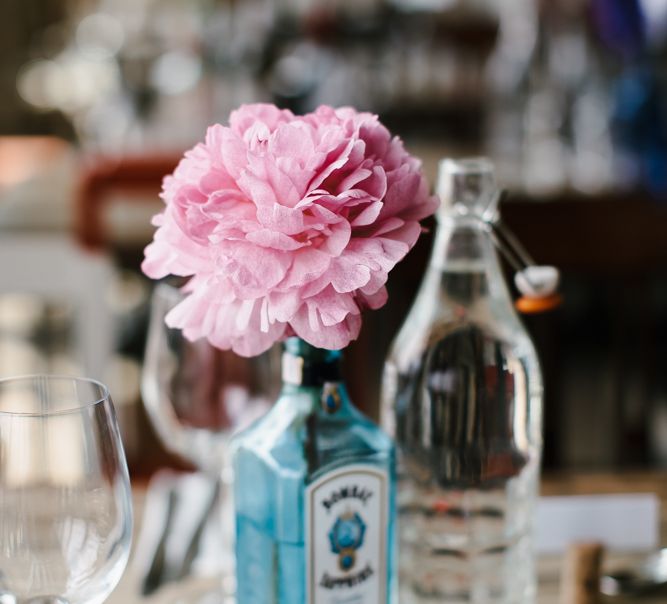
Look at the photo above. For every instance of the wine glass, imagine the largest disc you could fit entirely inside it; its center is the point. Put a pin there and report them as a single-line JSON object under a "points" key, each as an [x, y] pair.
{"points": [[197, 397], [65, 499]]}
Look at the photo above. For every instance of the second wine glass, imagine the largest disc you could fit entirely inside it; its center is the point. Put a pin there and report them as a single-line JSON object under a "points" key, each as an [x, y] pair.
{"points": [[198, 396]]}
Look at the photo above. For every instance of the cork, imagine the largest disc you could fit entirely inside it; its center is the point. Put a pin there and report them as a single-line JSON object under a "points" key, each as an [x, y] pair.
{"points": [[580, 583]]}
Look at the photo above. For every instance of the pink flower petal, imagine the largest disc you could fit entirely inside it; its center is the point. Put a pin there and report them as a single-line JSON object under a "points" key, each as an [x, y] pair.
{"points": [[334, 337], [282, 306], [376, 300], [308, 264], [347, 276], [330, 307], [253, 271], [368, 215], [273, 239], [233, 153]]}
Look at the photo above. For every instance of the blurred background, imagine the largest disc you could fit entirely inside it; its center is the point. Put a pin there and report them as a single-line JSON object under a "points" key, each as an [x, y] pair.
{"points": [[569, 98]]}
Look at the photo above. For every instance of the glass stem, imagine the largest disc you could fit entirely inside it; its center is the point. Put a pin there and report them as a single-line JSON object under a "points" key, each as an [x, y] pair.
{"points": [[227, 526]]}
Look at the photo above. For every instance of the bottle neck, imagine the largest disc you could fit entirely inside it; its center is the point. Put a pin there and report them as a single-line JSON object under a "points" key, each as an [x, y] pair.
{"points": [[465, 253], [305, 366], [316, 373]]}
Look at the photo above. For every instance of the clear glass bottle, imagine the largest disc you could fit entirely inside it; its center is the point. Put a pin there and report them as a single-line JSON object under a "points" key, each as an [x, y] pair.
{"points": [[314, 494], [462, 394]]}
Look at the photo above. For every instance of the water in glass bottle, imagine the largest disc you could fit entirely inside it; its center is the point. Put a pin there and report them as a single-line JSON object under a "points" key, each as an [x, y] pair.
{"points": [[462, 395]]}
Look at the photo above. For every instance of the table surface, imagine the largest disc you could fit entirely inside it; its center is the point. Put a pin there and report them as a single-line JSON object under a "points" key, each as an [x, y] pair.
{"points": [[549, 568]]}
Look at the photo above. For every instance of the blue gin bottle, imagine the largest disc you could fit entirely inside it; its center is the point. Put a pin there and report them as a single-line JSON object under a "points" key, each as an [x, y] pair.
{"points": [[314, 494]]}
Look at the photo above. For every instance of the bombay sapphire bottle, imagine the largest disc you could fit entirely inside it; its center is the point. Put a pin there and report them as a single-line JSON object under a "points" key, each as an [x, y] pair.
{"points": [[462, 393], [314, 484]]}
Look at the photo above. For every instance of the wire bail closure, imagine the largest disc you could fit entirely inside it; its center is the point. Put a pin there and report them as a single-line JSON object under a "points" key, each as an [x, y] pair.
{"points": [[537, 283]]}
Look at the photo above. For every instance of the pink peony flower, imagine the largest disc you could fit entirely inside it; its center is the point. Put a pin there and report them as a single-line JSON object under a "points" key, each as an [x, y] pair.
{"points": [[287, 225]]}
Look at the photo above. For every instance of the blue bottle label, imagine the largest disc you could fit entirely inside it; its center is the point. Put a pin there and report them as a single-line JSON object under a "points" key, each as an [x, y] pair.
{"points": [[346, 534]]}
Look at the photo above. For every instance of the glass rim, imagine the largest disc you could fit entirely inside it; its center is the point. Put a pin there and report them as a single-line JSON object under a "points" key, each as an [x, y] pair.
{"points": [[168, 291], [33, 377], [466, 165]]}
